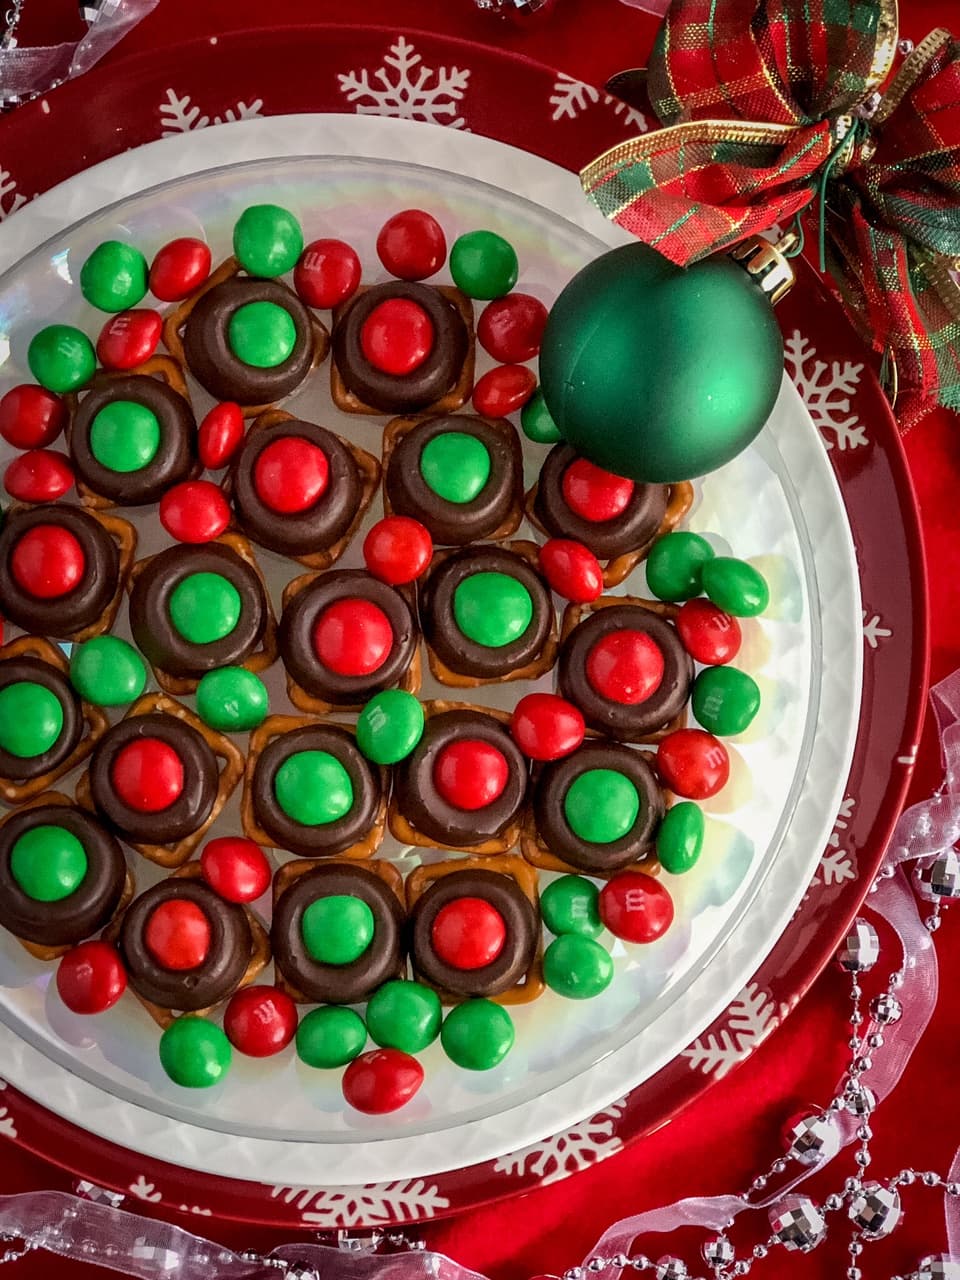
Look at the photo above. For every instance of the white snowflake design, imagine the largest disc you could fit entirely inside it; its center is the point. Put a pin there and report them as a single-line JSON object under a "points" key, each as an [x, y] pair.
{"points": [[874, 631], [567, 1152], [179, 115], [410, 90], [145, 1190], [570, 98], [7, 1128], [10, 198], [838, 863], [749, 1020], [377, 1202], [826, 390]]}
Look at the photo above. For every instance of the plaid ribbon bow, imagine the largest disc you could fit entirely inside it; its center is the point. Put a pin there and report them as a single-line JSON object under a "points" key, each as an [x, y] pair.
{"points": [[770, 111]]}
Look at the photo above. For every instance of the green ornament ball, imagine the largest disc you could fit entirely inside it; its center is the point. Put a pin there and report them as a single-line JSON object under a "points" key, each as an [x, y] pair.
{"points": [[267, 240], [330, 1036], [115, 276], [107, 671], [577, 967], [61, 358], [680, 837], [571, 905], [483, 264], [675, 565], [658, 372], [404, 1016], [390, 726], [725, 700], [536, 423], [736, 587], [195, 1052], [232, 700], [477, 1035]]}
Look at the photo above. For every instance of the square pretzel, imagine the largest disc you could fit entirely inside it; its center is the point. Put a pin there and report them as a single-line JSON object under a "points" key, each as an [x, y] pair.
{"points": [[262, 657], [175, 321], [13, 792], [409, 682], [276, 727], [535, 668], [453, 399], [618, 568], [231, 758], [531, 985]]}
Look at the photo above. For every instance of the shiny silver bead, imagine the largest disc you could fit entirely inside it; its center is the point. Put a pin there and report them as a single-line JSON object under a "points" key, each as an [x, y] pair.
{"points": [[930, 1179], [619, 1260], [875, 1040], [859, 1100], [813, 1139], [860, 949], [854, 1273], [862, 1158], [906, 1177], [854, 1248], [640, 1262], [864, 1133], [941, 879], [741, 1268], [574, 1273], [833, 1202], [875, 1210], [863, 1063], [953, 1188], [596, 1264], [938, 1266], [760, 1251], [797, 1223], [719, 1252], [856, 1018], [932, 923], [896, 981], [671, 1269]]}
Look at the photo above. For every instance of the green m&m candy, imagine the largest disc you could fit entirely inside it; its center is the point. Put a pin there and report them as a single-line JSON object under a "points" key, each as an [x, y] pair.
{"points": [[61, 358], [725, 700], [330, 1036], [232, 700], [125, 436], [492, 609], [455, 466], [680, 837], [107, 671], [267, 240], [48, 863], [204, 607], [675, 565], [601, 805], [31, 718], [404, 1015], [313, 788], [569, 905], [390, 726], [337, 929], [577, 967], [483, 264], [536, 422], [115, 276], [735, 586], [262, 334], [195, 1052], [477, 1035]]}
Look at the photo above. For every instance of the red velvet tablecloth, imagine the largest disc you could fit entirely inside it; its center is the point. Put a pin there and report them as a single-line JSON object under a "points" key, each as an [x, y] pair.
{"points": [[718, 1143]]}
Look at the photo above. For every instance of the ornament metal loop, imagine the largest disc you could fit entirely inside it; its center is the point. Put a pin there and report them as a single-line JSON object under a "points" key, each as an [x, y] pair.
{"points": [[767, 263]]}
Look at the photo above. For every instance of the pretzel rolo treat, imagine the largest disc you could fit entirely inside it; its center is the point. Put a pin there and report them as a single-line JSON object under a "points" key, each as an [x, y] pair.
{"points": [[463, 786], [62, 569], [617, 519], [63, 876], [309, 789], [337, 929], [460, 476], [195, 608], [45, 727], [159, 778], [437, 372], [487, 616], [593, 641], [475, 929]]}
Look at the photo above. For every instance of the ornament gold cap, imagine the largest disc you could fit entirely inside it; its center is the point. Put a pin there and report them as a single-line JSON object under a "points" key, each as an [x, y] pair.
{"points": [[771, 269]]}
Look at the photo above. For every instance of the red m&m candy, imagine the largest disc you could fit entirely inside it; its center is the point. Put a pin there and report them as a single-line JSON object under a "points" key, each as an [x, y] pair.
{"points": [[235, 868], [636, 907], [260, 1021], [470, 774], [397, 336], [693, 763], [353, 637], [147, 775], [221, 432], [397, 549], [195, 511], [129, 338], [546, 727], [91, 977], [411, 245], [179, 267], [572, 570], [504, 390], [511, 328], [291, 474], [382, 1080], [327, 274], [468, 933], [178, 935], [48, 561], [625, 666], [709, 635], [40, 475], [31, 417], [595, 494]]}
